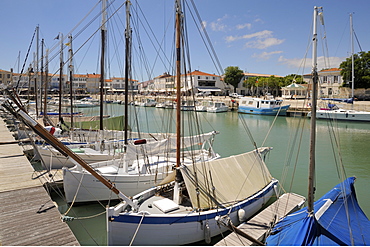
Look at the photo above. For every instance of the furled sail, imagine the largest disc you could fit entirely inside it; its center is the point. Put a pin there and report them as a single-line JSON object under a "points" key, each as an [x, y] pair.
{"points": [[221, 182]]}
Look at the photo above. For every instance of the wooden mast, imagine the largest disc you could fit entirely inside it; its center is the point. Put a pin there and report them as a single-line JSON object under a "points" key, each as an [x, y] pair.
{"points": [[311, 176], [41, 72], [178, 82], [127, 64], [102, 62], [60, 77], [36, 88]]}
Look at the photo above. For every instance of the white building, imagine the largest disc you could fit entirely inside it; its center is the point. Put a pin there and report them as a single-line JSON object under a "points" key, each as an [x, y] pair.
{"points": [[330, 81], [193, 82]]}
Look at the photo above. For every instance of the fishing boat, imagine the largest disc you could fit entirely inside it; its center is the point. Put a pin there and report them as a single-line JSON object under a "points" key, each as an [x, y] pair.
{"points": [[217, 106], [333, 112], [334, 219], [261, 106]]}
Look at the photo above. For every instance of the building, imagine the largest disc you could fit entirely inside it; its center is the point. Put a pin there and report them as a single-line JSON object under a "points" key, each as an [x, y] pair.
{"points": [[6, 77], [294, 91], [192, 82], [330, 82], [117, 84]]}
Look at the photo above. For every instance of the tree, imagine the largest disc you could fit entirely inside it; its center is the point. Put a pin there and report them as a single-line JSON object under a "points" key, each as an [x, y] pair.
{"points": [[233, 75], [293, 78], [361, 68]]}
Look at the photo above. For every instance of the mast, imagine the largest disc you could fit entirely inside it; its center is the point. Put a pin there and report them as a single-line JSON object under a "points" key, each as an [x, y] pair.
{"points": [[70, 69], [178, 82], [352, 57], [42, 71], [46, 119], [311, 176], [102, 60], [37, 72], [127, 64], [60, 76]]}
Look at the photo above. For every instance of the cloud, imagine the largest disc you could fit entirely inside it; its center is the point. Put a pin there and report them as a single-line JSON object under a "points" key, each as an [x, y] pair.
{"points": [[264, 43], [242, 26], [259, 40], [258, 35], [266, 55], [218, 25], [322, 62]]}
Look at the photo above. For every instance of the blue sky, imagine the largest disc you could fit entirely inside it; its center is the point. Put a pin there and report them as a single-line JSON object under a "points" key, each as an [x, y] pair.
{"points": [[265, 36]]}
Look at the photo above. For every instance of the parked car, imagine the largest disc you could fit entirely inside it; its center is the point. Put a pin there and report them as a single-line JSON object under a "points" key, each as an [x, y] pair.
{"points": [[235, 95]]}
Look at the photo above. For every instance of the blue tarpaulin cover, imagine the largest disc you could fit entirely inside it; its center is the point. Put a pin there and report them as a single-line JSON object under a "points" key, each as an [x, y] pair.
{"points": [[338, 220]]}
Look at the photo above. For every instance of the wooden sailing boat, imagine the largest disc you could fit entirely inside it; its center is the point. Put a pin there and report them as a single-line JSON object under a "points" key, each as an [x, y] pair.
{"points": [[138, 164], [334, 219], [187, 210]]}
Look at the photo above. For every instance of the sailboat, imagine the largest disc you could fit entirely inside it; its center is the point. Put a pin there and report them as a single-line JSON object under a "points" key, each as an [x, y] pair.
{"points": [[334, 219], [188, 209], [189, 204], [334, 112], [138, 164]]}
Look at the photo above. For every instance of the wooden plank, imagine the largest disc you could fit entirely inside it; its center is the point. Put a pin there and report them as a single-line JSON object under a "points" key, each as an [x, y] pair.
{"points": [[29, 217], [27, 214], [259, 224]]}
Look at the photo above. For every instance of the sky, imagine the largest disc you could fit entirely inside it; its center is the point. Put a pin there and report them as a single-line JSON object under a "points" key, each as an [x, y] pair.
{"points": [[265, 37]]}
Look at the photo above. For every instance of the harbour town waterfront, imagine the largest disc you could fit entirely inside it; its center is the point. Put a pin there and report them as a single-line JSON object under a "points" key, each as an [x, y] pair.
{"points": [[352, 137]]}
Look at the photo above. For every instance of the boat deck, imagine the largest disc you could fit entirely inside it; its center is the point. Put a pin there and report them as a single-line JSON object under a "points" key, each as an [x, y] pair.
{"points": [[257, 226], [27, 214]]}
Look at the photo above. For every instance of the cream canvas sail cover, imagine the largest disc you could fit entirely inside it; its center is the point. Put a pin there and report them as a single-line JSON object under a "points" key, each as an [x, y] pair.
{"points": [[224, 181]]}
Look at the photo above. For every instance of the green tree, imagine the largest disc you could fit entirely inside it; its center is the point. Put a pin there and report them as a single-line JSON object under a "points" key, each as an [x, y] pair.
{"points": [[293, 78], [233, 75], [361, 68]]}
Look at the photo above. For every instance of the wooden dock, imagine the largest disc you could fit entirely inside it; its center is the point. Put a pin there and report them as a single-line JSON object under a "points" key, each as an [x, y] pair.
{"points": [[257, 226], [27, 214]]}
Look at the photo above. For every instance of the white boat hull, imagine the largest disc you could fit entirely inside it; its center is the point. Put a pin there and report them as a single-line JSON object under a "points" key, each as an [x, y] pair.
{"points": [[55, 160], [340, 114], [83, 187], [178, 229]]}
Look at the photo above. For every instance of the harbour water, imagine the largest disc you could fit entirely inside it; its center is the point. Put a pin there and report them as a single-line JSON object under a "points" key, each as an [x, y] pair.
{"points": [[238, 133]]}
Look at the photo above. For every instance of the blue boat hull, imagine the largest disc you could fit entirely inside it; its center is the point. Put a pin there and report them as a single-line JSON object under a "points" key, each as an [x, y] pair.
{"points": [[281, 111]]}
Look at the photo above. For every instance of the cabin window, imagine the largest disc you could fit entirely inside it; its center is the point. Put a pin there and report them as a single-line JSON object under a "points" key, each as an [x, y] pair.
{"points": [[250, 102]]}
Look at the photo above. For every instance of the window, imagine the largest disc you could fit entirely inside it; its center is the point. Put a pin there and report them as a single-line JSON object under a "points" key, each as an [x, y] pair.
{"points": [[336, 79], [325, 79]]}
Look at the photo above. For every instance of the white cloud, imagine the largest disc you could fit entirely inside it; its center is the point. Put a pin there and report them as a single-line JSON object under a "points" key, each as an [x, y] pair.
{"points": [[204, 24], [264, 43], [322, 62], [259, 35], [242, 26], [218, 24], [266, 55], [259, 40]]}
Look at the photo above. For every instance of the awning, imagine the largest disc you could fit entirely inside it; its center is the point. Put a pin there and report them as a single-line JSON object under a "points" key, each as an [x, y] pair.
{"points": [[209, 89]]}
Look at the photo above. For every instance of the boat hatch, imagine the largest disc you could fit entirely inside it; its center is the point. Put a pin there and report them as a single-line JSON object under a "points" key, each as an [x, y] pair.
{"points": [[108, 169], [166, 205]]}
